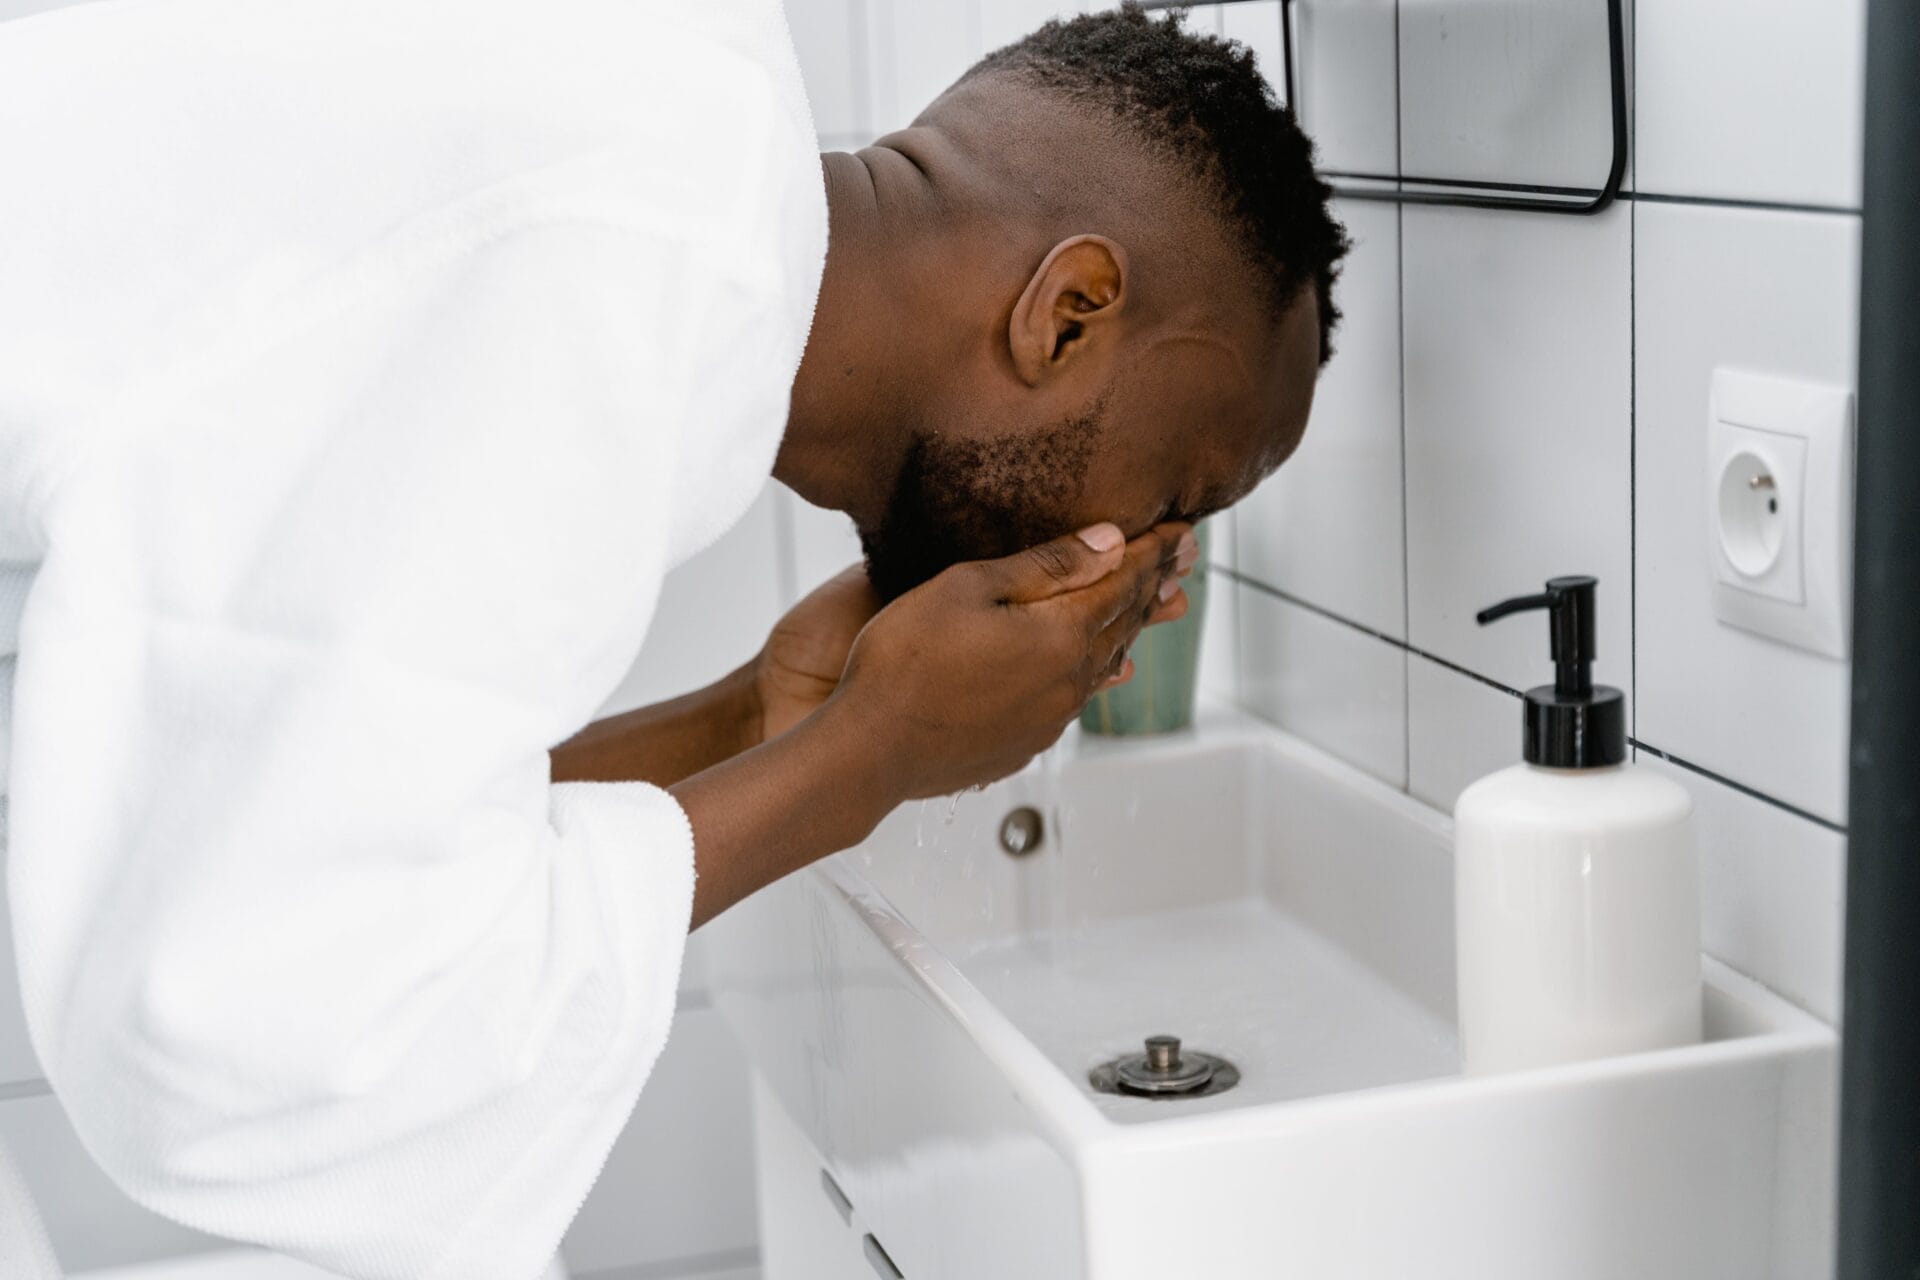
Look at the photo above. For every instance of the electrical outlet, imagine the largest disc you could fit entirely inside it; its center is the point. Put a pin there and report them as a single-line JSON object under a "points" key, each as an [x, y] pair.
{"points": [[1780, 508]]}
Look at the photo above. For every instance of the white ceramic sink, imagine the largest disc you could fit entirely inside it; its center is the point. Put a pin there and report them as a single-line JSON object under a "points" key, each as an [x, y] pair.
{"points": [[926, 1010]]}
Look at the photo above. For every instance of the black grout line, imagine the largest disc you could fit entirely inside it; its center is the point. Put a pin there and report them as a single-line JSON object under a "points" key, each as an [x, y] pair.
{"points": [[1715, 202], [1741, 787], [1633, 453], [1678, 761], [1650, 197], [1400, 305]]}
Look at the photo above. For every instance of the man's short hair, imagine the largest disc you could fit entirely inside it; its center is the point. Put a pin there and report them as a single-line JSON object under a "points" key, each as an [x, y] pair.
{"points": [[1200, 102]]}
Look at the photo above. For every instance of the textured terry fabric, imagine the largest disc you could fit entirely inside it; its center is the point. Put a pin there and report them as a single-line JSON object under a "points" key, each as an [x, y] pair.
{"points": [[368, 366]]}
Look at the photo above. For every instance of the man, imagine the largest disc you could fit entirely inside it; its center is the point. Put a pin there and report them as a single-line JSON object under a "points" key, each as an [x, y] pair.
{"points": [[368, 364]]}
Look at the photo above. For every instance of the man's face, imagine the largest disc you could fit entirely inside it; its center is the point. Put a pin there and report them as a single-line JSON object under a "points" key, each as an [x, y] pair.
{"points": [[1185, 428]]}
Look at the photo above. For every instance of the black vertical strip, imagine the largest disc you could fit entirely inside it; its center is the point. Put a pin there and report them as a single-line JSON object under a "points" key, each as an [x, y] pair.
{"points": [[1879, 1219]]}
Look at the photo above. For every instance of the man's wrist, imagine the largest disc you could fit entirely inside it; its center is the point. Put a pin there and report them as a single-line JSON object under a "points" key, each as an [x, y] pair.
{"points": [[741, 703]]}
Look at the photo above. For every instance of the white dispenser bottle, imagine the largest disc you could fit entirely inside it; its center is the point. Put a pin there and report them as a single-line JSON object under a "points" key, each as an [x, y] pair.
{"points": [[1576, 882]]}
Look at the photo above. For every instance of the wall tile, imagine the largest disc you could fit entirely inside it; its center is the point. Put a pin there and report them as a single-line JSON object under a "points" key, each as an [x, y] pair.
{"points": [[1512, 91], [89, 1220], [679, 1183], [824, 543], [1220, 641], [1772, 891], [916, 49], [824, 34], [1458, 730], [1004, 21], [714, 612], [1773, 293], [1341, 689], [1517, 429], [1327, 527], [1346, 64], [1751, 99], [1256, 24]]}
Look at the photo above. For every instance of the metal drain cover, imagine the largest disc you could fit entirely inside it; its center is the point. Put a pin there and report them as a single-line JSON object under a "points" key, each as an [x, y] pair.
{"points": [[1164, 1071]]}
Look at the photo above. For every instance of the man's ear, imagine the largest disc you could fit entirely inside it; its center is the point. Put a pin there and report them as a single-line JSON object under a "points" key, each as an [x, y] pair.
{"points": [[1073, 300]]}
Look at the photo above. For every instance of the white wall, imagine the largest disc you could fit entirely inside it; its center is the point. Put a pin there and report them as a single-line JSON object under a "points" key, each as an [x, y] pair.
{"points": [[1521, 395], [1516, 396]]}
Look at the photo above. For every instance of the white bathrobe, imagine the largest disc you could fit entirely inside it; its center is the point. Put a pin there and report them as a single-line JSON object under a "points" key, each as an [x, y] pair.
{"points": [[364, 365]]}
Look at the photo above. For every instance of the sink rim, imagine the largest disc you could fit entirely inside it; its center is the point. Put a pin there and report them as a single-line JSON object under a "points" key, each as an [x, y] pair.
{"points": [[1065, 1111]]}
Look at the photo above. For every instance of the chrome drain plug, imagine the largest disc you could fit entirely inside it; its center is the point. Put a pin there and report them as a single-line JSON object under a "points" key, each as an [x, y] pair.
{"points": [[1165, 1070]]}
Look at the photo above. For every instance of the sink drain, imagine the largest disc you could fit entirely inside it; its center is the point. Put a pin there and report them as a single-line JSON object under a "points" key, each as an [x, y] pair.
{"points": [[1165, 1071]]}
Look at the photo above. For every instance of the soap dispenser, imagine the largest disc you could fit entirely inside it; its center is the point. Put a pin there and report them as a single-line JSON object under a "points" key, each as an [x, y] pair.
{"points": [[1576, 881]]}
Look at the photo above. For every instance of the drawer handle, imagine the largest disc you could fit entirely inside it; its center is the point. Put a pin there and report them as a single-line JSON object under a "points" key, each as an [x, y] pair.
{"points": [[882, 1264], [836, 1197]]}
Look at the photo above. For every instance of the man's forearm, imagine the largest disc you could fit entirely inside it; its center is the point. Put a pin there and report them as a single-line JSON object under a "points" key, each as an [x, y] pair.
{"points": [[669, 741], [815, 790]]}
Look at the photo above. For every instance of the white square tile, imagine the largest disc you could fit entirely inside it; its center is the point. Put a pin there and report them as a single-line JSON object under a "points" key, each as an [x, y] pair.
{"points": [[1004, 21], [1751, 99], [1510, 91], [1256, 24], [1772, 891], [1517, 430], [679, 1183], [714, 613], [1328, 526], [1767, 292], [89, 1220], [1220, 640], [1346, 64], [823, 38], [917, 48], [824, 543], [1340, 689], [1459, 730]]}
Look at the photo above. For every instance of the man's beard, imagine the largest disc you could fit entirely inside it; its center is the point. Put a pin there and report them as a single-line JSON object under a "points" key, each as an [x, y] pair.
{"points": [[957, 500]]}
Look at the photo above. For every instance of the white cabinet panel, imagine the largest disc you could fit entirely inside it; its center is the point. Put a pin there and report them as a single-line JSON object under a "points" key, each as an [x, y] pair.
{"points": [[679, 1182]]}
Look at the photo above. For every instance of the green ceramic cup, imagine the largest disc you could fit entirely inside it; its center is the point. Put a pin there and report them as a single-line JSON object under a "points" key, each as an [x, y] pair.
{"points": [[1166, 669]]}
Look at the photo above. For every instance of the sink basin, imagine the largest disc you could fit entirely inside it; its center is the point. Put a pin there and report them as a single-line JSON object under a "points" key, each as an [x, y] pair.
{"points": [[927, 1012]]}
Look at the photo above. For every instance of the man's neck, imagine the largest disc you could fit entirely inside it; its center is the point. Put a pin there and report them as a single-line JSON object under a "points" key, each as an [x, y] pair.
{"points": [[844, 438]]}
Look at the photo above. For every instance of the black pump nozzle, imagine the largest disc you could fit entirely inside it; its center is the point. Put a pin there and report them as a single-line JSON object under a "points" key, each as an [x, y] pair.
{"points": [[1571, 723], [1569, 603]]}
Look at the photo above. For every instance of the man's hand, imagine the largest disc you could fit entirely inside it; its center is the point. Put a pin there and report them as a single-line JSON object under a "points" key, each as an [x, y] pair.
{"points": [[800, 665], [960, 681], [968, 677]]}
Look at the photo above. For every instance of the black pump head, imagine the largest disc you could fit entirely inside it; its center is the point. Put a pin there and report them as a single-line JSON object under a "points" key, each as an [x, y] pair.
{"points": [[1571, 723]]}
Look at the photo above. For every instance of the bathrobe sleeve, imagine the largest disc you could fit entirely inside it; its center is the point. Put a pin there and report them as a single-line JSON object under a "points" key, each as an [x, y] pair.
{"points": [[312, 951]]}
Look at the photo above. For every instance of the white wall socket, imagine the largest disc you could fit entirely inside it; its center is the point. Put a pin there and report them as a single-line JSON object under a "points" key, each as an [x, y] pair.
{"points": [[1780, 508]]}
